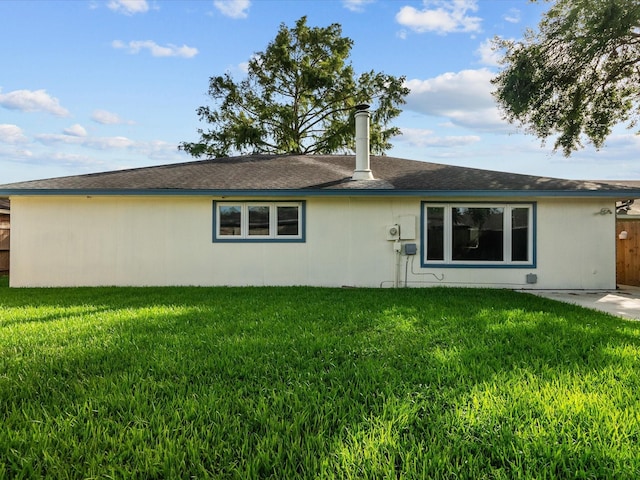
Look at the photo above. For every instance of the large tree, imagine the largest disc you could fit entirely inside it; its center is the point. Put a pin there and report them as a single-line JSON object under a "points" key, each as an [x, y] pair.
{"points": [[576, 77], [298, 97]]}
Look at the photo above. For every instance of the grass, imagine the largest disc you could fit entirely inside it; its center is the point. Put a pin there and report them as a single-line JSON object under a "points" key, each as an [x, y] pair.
{"points": [[314, 383]]}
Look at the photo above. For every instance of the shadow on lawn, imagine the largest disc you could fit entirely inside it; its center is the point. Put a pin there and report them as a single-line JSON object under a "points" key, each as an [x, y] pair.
{"points": [[357, 376], [513, 329]]}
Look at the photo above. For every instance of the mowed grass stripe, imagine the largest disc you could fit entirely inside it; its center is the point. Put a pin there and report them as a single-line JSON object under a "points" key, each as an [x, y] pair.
{"points": [[314, 383]]}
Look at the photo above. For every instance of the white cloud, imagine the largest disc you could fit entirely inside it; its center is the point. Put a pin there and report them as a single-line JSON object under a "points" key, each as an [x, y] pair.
{"points": [[488, 56], [233, 8], [72, 159], [485, 119], [425, 138], [156, 50], [33, 101], [356, 5], [441, 16], [11, 134], [464, 98], [47, 159], [23, 154], [107, 143], [467, 88], [76, 130], [157, 149], [243, 67], [98, 143], [129, 7], [513, 16], [108, 118]]}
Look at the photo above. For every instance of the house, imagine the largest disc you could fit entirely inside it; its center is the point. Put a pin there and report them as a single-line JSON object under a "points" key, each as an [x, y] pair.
{"points": [[336, 220], [4, 235]]}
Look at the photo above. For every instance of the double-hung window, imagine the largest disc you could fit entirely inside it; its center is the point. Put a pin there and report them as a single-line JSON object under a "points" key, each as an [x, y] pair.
{"points": [[478, 234], [258, 221]]}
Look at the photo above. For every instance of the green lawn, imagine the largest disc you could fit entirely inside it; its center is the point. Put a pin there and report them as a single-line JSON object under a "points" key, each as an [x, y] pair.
{"points": [[290, 383]]}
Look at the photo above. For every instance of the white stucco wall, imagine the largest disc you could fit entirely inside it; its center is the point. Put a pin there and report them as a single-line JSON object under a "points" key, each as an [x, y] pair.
{"points": [[73, 241]]}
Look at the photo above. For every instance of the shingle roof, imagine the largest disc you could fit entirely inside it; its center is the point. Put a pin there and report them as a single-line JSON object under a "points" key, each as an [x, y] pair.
{"points": [[315, 173]]}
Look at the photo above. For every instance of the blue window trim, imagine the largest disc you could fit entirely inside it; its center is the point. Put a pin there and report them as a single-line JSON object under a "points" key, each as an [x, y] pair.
{"points": [[283, 239], [534, 236]]}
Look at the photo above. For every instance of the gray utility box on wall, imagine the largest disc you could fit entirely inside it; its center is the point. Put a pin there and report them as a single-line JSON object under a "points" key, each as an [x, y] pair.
{"points": [[410, 249]]}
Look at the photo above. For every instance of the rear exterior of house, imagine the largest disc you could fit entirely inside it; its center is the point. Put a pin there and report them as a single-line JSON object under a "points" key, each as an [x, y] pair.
{"points": [[314, 220], [372, 233], [5, 230]]}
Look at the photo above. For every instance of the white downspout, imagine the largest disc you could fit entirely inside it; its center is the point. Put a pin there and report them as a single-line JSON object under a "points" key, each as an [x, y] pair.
{"points": [[397, 248], [363, 170]]}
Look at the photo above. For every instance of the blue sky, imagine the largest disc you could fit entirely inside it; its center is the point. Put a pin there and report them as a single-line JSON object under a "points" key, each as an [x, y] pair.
{"points": [[98, 85]]}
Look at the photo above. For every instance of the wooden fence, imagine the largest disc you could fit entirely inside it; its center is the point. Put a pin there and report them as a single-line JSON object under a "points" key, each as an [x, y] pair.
{"points": [[628, 252], [4, 244]]}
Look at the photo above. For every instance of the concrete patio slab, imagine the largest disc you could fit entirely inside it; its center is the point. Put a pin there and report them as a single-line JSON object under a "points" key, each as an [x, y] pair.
{"points": [[623, 302]]}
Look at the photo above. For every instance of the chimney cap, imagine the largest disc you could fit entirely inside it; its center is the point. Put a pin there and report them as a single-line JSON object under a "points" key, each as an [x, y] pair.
{"points": [[362, 107]]}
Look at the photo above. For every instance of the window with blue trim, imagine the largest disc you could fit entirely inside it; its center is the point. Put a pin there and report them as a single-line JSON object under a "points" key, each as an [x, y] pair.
{"points": [[478, 234], [259, 221]]}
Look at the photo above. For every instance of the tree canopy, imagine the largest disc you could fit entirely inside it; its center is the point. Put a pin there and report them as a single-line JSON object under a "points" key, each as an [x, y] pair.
{"points": [[576, 77], [298, 97]]}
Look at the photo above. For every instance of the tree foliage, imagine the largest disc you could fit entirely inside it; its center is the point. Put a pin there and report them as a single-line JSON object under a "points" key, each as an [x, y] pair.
{"points": [[298, 97], [578, 76]]}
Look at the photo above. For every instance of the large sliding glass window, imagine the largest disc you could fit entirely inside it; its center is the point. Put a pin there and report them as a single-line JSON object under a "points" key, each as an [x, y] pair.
{"points": [[258, 221], [478, 234]]}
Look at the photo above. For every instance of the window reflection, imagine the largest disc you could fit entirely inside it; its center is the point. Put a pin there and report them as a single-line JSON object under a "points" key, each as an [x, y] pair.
{"points": [[478, 234], [519, 234], [230, 219], [259, 220], [288, 220], [435, 233]]}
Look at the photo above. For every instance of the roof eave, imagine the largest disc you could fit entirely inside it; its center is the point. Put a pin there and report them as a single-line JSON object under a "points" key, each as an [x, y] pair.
{"points": [[613, 194]]}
